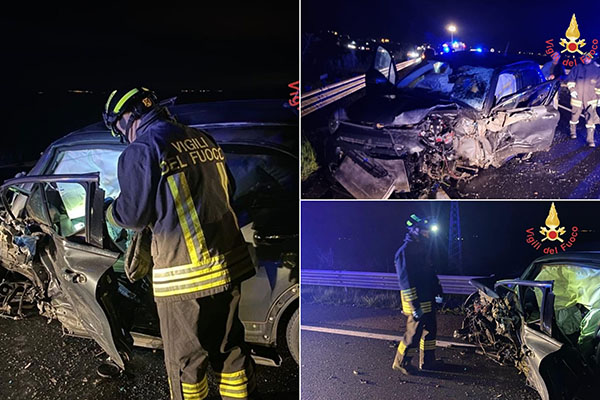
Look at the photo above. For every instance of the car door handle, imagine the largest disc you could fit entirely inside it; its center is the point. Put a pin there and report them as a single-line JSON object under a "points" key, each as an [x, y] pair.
{"points": [[74, 277]]}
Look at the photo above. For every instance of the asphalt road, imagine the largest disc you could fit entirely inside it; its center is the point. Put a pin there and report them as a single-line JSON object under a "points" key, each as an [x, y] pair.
{"points": [[569, 170], [336, 366], [38, 362]]}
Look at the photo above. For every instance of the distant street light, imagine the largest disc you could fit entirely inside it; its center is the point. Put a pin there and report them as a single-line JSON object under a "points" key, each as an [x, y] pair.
{"points": [[452, 29]]}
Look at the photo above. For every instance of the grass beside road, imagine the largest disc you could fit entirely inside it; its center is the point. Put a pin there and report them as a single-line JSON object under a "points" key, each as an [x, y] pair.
{"points": [[369, 298], [309, 159]]}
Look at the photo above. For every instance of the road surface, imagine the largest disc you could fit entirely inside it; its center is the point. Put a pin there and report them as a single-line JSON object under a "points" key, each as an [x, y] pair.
{"points": [[339, 366], [38, 363]]}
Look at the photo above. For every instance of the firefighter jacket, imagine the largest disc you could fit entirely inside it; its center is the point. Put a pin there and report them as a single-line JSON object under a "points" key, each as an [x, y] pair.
{"points": [[416, 275], [585, 80], [174, 179]]}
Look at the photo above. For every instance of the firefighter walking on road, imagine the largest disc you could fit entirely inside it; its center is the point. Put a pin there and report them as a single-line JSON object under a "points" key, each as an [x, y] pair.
{"points": [[583, 83], [174, 180], [419, 286]]}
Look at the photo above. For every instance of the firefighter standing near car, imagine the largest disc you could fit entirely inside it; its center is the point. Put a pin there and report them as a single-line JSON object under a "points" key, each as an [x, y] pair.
{"points": [[583, 83], [175, 181], [419, 286]]}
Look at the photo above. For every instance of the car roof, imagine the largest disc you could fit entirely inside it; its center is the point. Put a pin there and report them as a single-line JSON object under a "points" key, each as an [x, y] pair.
{"points": [[592, 257], [236, 113], [486, 60]]}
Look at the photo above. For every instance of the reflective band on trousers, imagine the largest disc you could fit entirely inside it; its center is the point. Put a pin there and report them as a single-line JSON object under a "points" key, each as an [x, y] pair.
{"points": [[195, 391], [576, 103], [427, 344], [235, 384]]}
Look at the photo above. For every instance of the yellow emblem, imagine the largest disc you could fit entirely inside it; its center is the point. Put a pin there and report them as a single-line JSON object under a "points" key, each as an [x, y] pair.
{"points": [[147, 102], [572, 45], [550, 231]]}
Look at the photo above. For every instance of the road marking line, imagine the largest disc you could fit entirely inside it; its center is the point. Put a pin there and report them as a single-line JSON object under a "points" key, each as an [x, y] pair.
{"points": [[379, 336]]}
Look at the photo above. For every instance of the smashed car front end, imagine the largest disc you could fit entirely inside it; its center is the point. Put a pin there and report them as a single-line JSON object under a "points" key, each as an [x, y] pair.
{"points": [[546, 323]]}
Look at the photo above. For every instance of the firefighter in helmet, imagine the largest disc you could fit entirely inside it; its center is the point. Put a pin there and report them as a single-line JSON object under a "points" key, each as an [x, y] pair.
{"points": [[174, 180], [419, 291], [583, 83]]}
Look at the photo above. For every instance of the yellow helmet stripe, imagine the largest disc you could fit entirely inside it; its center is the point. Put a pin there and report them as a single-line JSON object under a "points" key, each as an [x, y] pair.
{"points": [[126, 97]]}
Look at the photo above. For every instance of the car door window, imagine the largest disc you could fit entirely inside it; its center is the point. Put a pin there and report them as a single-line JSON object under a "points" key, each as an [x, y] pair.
{"points": [[66, 207], [35, 207], [540, 95], [532, 303], [530, 77], [265, 185], [507, 85]]}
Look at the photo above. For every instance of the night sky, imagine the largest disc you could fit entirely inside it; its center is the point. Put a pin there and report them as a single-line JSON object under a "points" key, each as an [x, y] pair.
{"points": [[232, 49], [364, 235], [526, 24], [172, 46]]}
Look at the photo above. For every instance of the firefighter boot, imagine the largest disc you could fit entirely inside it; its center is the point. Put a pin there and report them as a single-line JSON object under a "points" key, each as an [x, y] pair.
{"points": [[428, 361], [403, 365], [573, 127], [590, 137]]}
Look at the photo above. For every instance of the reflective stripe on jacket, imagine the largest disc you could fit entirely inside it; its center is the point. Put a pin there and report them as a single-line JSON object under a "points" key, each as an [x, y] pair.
{"points": [[174, 179]]}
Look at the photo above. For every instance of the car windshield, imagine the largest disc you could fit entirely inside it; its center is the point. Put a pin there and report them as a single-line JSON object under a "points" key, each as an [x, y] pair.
{"points": [[84, 161], [466, 84]]}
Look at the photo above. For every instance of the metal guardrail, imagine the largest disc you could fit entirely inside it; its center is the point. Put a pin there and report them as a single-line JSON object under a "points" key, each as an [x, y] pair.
{"points": [[319, 98], [451, 284]]}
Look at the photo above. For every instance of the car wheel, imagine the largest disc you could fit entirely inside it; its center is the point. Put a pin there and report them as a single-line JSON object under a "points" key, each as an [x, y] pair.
{"points": [[292, 335]]}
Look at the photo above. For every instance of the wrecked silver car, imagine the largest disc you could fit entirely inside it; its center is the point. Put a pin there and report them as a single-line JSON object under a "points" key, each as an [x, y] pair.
{"points": [[440, 121], [546, 323], [58, 255]]}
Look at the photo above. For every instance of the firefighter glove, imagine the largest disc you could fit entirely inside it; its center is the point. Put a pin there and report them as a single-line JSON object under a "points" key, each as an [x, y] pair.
{"points": [[417, 314], [138, 260], [574, 94]]}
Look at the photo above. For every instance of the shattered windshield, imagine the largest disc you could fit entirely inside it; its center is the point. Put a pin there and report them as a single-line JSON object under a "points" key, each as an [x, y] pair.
{"points": [[466, 84], [92, 160]]}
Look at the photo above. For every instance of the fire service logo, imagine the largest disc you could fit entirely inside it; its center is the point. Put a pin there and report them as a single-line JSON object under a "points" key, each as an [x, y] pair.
{"points": [[554, 238], [572, 48]]}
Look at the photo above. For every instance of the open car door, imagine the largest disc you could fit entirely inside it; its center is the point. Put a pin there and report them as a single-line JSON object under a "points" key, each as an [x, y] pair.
{"points": [[381, 77], [523, 122], [69, 209], [554, 367]]}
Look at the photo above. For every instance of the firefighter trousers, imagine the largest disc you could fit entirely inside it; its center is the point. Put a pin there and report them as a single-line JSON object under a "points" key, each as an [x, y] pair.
{"points": [[591, 117], [201, 331], [420, 335]]}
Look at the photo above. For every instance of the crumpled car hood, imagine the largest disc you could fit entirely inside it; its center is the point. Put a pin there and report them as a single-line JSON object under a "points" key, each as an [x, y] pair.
{"points": [[400, 110]]}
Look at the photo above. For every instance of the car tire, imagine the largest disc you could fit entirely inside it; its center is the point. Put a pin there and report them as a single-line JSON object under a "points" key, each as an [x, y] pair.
{"points": [[292, 335]]}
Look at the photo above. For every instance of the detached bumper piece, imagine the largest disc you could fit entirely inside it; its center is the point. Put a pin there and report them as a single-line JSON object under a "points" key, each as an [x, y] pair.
{"points": [[371, 178]]}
